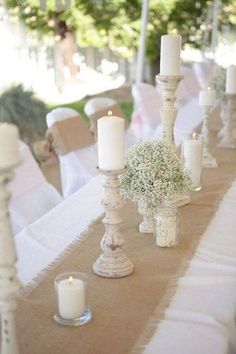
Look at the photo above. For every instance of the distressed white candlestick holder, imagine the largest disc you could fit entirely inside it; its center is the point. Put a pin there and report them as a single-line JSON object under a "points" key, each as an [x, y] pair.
{"points": [[9, 284], [228, 133], [168, 113], [113, 262], [208, 160]]}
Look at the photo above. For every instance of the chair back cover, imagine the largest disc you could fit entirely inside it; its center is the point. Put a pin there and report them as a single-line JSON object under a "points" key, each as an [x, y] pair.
{"points": [[69, 135], [97, 104]]}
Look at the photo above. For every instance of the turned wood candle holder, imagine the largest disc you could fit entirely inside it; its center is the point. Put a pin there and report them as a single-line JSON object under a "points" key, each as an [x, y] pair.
{"points": [[228, 133], [207, 159], [113, 262], [169, 84], [168, 111], [9, 284]]}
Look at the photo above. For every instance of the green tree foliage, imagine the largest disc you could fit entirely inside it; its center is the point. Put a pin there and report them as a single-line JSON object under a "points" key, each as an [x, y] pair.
{"points": [[116, 23]]}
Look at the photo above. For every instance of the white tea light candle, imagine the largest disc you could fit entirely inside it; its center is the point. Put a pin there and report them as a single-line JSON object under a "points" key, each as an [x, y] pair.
{"points": [[231, 80], [111, 143], [71, 298], [207, 97], [170, 54], [192, 154], [9, 145]]}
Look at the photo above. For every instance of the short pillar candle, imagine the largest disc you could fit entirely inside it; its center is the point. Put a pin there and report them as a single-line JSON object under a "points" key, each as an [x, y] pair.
{"points": [[71, 299], [170, 55], [111, 143], [192, 154], [231, 80]]}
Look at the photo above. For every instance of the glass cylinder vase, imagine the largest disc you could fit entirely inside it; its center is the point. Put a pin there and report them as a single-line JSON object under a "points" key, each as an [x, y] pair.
{"points": [[166, 226], [146, 210]]}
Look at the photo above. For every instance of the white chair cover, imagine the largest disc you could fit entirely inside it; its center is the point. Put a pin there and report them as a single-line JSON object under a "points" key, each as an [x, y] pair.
{"points": [[188, 87], [32, 196], [76, 167], [97, 104], [147, 103], [203, 71]]}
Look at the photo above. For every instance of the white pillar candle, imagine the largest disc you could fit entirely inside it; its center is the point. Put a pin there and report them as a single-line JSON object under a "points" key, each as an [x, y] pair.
{"points": [[170, 54], [111, 143], [193, 160], [71, 298], [9, 145], [207, 97], [231, 80]]}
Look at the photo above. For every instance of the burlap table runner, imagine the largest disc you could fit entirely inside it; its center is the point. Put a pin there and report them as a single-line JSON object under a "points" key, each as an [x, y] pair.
{"points": [[122, 308]]}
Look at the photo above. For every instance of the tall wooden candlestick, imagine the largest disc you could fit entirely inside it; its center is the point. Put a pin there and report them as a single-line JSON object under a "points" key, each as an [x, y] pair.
{"points": [[208, 160], [9, 284], [228, 138], [113, 262], [168, 112]]}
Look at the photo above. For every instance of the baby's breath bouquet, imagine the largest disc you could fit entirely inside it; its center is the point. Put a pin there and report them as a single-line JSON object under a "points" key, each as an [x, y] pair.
{"points": [[154, 174]]}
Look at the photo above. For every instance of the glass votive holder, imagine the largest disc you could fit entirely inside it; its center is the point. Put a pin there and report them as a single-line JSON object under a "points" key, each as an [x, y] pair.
{"points": [[166, 226], [192, 152], [72, 299]]}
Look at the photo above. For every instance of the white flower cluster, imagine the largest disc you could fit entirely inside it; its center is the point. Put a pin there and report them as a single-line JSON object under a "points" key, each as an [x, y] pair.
{"points": [[217, 81], [154, 173]]}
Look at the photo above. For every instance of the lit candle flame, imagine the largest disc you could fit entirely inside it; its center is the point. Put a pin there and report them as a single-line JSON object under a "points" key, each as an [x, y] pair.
{"points": [[109, 113], [71, 280]]}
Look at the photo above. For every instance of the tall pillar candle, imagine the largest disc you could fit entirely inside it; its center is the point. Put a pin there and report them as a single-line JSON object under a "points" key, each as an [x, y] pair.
{"points": [[111, 143], [9, 145], [192, 153], [170, 55], [207, 97], [231, 80]]}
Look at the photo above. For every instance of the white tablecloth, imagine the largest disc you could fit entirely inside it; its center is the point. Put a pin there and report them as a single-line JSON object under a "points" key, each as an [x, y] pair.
{"points": [[201, 317]]}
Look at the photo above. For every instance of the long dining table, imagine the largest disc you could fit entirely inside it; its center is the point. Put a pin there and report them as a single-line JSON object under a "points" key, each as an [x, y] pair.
{"points": [[178, 300]]}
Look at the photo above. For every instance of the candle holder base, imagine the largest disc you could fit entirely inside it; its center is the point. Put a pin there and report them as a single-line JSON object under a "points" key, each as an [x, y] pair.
{"points": [[113, 267], [146, 227], [227, 144], [180, 200], [209, 161], [196, 188], [75, 322]]}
